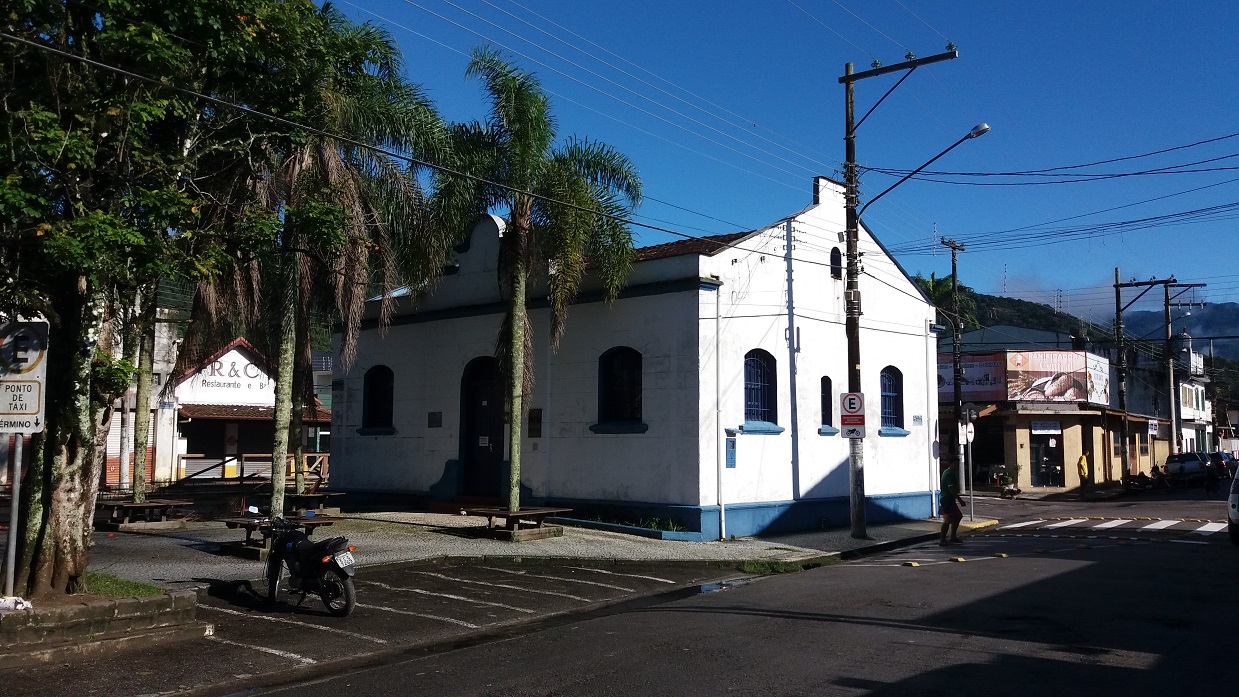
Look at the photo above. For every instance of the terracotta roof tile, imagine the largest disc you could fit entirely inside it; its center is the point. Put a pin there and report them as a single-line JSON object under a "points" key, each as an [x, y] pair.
{"points": [[247, 412], [708, 246]]}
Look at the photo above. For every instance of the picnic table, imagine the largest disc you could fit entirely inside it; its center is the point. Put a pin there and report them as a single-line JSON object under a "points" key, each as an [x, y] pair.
{"points": [[512, 521], [123, 514], [259, 535]]}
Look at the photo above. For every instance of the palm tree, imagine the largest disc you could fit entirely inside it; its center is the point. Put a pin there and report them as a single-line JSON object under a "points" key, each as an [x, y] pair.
{"points": [[564, 207], [941, 293], [353, 216]]}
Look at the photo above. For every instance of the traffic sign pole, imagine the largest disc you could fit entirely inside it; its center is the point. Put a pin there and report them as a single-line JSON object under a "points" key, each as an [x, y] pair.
{"points": [[23, 372], [10, 557]]}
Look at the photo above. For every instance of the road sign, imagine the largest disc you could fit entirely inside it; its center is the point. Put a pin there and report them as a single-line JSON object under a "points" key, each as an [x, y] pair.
{"points": [[853, 432], [852, 416], [971, 431], [23, 371]]}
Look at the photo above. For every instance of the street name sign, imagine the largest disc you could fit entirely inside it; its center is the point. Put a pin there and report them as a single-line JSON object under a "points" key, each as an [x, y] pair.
{"points": [[23, 372]]}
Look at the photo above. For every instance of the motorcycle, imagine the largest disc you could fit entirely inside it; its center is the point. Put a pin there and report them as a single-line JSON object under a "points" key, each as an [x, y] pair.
{"points": [[323, 568]]}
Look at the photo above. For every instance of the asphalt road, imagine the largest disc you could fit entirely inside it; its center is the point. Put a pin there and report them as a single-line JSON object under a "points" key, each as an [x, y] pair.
{"points": [[1134, 592], [1073, 609]]}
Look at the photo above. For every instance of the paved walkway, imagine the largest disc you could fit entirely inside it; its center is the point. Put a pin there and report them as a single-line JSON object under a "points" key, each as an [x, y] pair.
{"points": [[192, 558]]}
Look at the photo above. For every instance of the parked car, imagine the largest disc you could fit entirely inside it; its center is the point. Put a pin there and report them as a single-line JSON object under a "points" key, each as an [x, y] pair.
{"points": [[1184, 468], [1232, 512], [1224, 463]]}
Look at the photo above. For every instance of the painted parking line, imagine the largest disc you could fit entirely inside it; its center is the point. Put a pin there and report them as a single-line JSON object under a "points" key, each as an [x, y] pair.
{"points": [[1111, 524], [503, 585], [266, 649], [1210, 528], [526, 574], [616, 573], [449, 620], [308, 625], [1160, 525], [450, 596], [1066, 523]]}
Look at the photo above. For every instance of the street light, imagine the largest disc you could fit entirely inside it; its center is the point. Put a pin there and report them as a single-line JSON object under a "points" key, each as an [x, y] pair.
{"points": [[977, 131], [856, 469]]}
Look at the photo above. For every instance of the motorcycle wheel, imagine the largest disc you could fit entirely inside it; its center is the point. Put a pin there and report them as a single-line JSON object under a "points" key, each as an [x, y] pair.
{"points": [[275, 573], [338, 593]]}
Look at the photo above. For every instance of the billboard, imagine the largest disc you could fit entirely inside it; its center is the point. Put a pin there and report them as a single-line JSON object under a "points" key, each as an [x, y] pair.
{"points": [[1057, 376], [984, 377]]}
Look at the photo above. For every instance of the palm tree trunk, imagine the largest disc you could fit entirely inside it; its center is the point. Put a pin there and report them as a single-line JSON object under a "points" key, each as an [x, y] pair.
{"points": [[516, 384], [284, 383]]}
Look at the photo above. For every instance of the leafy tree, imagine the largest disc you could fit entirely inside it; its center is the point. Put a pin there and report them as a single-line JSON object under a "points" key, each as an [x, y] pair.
{"points": [[563, 206], [110, 183]]}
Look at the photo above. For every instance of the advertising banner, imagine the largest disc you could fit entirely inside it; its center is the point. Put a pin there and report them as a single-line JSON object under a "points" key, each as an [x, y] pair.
{"points": [[984, 377], [1057, 376]]}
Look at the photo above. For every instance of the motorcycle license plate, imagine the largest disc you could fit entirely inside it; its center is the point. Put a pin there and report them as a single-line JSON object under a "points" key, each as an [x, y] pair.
{"points": [[344, 559]]}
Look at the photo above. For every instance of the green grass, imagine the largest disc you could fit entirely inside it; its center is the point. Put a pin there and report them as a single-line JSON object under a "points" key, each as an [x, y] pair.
{"points": [[107, 584], [766, 568]]}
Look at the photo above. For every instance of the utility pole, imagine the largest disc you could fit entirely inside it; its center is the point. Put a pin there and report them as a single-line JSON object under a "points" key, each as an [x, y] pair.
{"points": [[1176, 409], [856, 461], [1119, 307], [793, 348], [957, 353]]}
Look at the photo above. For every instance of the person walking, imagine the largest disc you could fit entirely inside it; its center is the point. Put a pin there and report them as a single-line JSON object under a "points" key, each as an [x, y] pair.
{"points": [[950, 505], [1082, 466]]}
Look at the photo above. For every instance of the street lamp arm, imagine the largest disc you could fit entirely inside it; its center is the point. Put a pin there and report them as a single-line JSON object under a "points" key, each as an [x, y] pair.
{"points": [[979, 130]]}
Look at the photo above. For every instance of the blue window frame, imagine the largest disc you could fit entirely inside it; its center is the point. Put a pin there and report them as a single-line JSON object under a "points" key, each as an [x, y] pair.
{"points": [[377, 397], [892, 397], [836, 263], [828, 401], [760, 397], [619, 385]]}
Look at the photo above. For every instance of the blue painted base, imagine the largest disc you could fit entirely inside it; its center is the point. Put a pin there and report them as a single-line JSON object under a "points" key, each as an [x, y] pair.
{"points": [[745, 519]]}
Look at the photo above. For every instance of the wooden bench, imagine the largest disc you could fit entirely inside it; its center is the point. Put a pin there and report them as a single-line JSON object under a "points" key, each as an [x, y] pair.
{"points": [[310, 501], [259, 547], [512, 521], [149, 515]]}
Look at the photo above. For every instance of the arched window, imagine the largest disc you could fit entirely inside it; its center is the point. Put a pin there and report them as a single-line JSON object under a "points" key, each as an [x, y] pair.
{"points": [[376, 400], [760, 398], [619, 385], [836, 263], [828, 400], [892, 397]]}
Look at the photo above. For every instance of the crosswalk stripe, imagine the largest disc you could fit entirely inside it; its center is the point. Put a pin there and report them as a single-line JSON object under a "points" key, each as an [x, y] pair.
{"points": [[1210, 528], [1023, 524], [1160, 525], [1065, 523], [1110, 524]]}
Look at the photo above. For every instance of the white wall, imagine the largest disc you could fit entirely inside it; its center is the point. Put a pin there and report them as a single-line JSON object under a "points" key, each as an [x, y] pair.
{"points": [[673, 462]]}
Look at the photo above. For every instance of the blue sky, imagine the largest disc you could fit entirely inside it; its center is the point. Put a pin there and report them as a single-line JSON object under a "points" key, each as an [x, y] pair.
{"points": [[728, 109]]}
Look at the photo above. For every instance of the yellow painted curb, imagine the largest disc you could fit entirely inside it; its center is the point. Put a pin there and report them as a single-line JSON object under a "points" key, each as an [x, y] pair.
{"points": [[911, 563], [1001, 555], [958, 559]]}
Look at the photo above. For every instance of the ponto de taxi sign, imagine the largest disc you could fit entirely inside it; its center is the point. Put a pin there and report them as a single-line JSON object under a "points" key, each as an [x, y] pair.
{"points": [[23, 372]]}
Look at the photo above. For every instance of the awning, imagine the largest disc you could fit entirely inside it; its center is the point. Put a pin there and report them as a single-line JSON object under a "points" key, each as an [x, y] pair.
{"points": [[246, 412]]}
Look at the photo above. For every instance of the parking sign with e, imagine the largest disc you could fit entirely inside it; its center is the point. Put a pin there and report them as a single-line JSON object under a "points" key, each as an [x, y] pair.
{"points": [[23, 368]]}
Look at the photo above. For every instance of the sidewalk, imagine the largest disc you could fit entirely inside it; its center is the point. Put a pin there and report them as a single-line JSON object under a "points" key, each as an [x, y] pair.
{"points": [[192, 559]]}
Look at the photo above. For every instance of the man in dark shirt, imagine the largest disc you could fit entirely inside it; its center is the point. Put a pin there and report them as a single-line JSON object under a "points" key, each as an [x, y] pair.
{"points": [[950, 504]]}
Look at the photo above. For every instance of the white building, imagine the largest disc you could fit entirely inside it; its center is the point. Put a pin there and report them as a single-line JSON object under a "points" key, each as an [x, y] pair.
{"points": [[673, 399]]}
